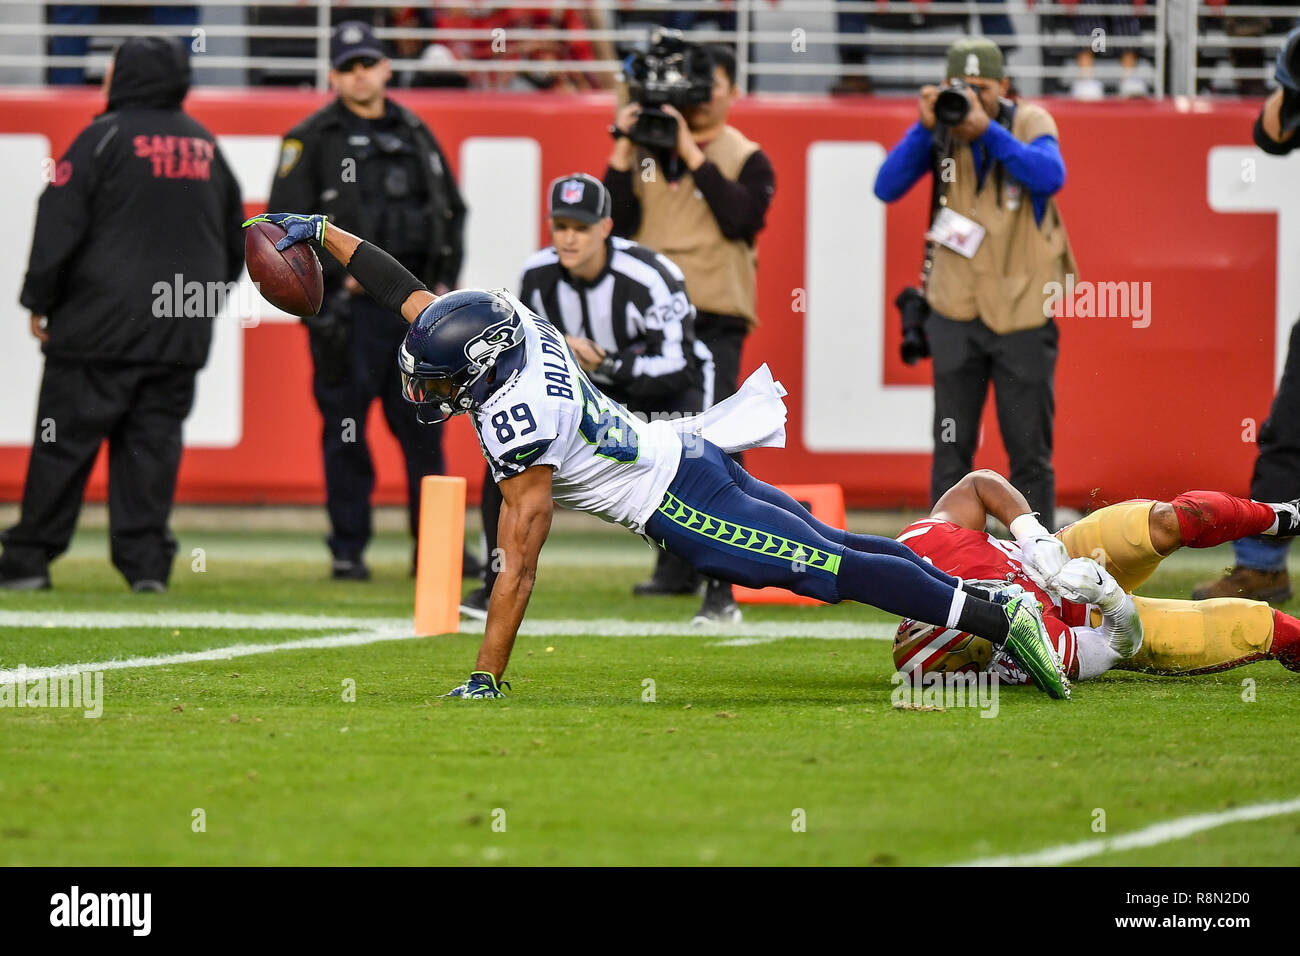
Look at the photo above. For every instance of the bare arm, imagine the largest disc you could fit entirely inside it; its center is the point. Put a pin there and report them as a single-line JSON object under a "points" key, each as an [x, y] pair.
{"points": [[1271, 119], [341, 244], [526, 511], [979, 494]]}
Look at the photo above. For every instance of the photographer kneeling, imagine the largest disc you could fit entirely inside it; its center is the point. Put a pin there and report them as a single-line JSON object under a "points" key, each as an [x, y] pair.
{"points": [[996, 240]]}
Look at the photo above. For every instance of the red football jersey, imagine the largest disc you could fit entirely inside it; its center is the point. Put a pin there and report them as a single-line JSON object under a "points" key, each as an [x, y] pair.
{"points": [[977, 556]]}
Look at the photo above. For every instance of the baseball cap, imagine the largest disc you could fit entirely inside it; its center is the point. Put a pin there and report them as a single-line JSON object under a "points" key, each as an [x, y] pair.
{"points": [[580, 196], [352, 39], [975, 56]]}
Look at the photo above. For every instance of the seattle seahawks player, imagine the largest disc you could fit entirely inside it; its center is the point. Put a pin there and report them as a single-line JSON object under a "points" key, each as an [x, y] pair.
{"points": [[551, 436]]}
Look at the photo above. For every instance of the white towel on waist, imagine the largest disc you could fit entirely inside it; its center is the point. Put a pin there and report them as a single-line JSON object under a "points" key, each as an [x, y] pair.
{"points": [[754, 417]]}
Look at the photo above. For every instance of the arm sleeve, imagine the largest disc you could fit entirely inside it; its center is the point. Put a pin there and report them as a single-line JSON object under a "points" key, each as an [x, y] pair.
{"points": [[740, 206], [626, 208], [907, 162], [1037, 165], [62, 220], [1267, 143], [657, 367]]}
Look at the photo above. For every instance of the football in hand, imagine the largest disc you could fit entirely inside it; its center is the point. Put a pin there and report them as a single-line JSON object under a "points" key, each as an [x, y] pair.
{"points": [[290, 280]]}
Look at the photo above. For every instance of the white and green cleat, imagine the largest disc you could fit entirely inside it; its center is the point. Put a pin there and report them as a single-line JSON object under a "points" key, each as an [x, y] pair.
{"points": [[1029, 644]]}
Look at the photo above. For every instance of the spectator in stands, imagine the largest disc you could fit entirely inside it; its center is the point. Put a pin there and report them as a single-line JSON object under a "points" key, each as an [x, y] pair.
{"points": [[703, 209], [1259, 570], [1099, 29], [68, 14], [995, 229], [373, 167], [855, 54], [141, 203]]}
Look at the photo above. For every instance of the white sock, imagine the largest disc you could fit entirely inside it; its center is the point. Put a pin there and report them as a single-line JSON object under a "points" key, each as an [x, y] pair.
{"points": [[955, 609]]}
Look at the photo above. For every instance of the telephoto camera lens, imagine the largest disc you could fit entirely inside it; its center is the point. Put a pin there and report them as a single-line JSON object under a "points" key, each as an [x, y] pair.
{"points": [[951, 106]]}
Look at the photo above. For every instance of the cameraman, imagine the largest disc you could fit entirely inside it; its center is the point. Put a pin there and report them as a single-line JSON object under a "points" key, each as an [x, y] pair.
{"points": [[996, 240], [702, 206], [1259, 571]]}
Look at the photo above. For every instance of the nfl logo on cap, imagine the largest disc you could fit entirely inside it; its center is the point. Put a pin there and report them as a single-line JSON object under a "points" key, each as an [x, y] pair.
{"points": [[571, 192]]}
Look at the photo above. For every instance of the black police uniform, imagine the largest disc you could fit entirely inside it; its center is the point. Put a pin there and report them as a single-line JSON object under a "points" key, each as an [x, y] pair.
{"points": [[141, 196], [387, 181]]}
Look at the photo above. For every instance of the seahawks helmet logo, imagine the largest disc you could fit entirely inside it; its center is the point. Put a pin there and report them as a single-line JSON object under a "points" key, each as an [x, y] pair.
{"points": [[487, 348]]}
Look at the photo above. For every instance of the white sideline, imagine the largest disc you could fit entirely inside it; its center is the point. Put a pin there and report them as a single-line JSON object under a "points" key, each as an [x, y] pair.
{"points": [[363, 630], [1153, 835]]}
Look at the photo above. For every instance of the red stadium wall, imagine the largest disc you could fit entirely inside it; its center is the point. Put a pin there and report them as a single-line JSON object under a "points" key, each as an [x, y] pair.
{"points": [[1145, 411]]}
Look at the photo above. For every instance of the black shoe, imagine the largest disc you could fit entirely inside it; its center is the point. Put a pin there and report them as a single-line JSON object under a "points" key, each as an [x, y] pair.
{"points": [[149, 586], [349, 569], [719, 606], [656, 587], [14, 579], [475, 604]]}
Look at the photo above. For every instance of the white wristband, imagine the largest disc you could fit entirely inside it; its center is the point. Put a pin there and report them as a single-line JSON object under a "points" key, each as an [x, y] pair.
{"points": [[1026, 526]]}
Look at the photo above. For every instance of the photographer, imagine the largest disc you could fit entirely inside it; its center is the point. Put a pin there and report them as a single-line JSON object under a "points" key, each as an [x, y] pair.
{"points": [[701, 198], [1259, 571], [372, 166], [996, 239]]}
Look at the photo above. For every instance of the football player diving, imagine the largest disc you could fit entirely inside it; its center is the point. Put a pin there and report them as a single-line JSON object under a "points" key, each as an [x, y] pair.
{"points": [[550, 436], [1085, 584]]}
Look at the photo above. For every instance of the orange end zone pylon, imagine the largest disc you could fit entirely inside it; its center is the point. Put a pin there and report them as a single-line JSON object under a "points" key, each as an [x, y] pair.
{"points": [[442, 549], [826, 502]]}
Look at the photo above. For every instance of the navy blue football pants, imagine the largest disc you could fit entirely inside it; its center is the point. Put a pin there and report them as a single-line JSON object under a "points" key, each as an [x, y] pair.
{"points": [[732, 526]]}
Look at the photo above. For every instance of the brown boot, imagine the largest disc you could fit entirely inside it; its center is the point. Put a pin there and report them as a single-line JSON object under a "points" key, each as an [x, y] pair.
{"points": [[1248, 583]]}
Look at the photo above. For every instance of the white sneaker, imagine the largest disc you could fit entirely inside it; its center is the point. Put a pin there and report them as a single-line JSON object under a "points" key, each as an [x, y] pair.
{"points": [[1087, 88]]}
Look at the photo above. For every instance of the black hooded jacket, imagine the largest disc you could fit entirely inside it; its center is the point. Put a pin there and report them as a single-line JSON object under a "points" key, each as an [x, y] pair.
{"points": [[141, 197]]}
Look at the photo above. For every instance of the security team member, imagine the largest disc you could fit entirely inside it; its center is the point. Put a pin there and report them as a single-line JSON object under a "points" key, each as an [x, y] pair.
{"points": [[122, 342], [625, 314], [375, 169], [997, 239], [703, 211], [1259, 571]]}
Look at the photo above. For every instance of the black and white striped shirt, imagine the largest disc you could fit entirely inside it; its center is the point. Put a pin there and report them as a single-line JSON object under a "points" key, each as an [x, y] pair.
{"points": [[637, 310]]}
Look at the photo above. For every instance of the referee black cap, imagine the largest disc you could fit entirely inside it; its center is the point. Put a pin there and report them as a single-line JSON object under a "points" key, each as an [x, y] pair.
{"points": [[580, 196]]}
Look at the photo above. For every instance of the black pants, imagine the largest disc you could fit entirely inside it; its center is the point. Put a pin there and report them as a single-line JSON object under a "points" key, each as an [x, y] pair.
{"points": [[139, 409], [370, 372], [1022, 366], [1277, 469]]}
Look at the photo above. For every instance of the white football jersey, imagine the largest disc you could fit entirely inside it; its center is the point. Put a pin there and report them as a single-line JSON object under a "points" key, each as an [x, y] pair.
{"points": [[607, 461]]}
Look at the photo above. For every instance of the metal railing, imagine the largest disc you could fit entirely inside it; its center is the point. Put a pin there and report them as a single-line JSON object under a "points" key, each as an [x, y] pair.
{"points": [[1188, 44]]}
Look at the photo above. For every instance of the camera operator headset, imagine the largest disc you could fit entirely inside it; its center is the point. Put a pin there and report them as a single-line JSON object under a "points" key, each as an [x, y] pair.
{"points": [[995, 240]]}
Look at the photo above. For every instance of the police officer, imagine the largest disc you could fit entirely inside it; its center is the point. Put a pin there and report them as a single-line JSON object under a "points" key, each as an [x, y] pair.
{"points": [[625, 313], [375, 169], [141, 210]]}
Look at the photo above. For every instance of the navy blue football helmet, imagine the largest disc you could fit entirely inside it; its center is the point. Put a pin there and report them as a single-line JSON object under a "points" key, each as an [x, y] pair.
{"points": [[452, 346]]}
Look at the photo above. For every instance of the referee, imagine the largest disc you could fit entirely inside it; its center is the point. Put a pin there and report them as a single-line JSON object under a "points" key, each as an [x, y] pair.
{"points": [[624, 311]]}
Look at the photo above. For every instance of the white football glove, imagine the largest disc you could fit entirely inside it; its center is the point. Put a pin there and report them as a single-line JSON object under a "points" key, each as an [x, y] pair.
{"points": [[1042, 555], [1084, 581]]}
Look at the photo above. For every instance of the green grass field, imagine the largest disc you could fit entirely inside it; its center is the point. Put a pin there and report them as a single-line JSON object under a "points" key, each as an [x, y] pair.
{"points": [[576, 765]]}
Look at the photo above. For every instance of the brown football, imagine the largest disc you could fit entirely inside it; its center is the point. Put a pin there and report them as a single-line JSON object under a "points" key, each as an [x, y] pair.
{"points": [[289, 280]]}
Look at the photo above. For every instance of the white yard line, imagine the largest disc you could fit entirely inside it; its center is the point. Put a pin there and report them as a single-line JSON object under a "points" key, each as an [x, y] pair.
{"points": [[1153, 835], [364, 630]]}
